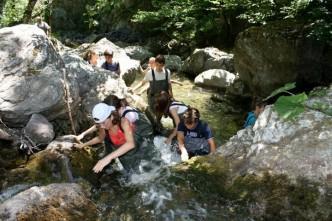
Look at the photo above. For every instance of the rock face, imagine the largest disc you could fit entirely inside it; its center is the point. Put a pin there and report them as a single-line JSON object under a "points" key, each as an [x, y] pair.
{"points": [[95, 84], [216, 78], [33, 73], [53, 202], [298, 148], [268, 57], [173, 62], [206, 59]]}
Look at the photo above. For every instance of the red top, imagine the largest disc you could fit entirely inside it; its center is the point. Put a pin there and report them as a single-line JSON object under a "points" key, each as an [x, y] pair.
{"points": [[119, 137]]}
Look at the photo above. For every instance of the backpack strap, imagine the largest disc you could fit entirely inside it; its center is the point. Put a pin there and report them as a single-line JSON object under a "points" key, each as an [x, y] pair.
{"points": [[128, 111], [153, 75], [177, 103]]}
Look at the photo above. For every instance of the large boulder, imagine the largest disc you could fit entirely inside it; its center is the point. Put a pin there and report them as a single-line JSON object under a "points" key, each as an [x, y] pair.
{"points": [[206, 59], [34, 75], [173, 62], [95, 84], [267, 57], [298, 148], [215, 78], [66, 201], [129, 67], [138, 53]]}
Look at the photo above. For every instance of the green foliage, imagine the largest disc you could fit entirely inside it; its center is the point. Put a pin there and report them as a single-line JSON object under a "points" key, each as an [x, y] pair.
{"points": [[181, 20], [188, 19], [288, 107], [100, 8], [13, 11], [283, 89]]}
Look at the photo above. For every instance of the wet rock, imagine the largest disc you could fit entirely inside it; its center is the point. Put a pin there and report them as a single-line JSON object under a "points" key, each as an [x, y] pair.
{"points": [[39, 130], [206, 59], [215, 78], [59, 162], [53, 202], [33, 72]]}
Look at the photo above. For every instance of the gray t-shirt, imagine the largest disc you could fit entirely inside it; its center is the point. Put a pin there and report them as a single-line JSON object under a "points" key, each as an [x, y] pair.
{"points": [[44, 26]]}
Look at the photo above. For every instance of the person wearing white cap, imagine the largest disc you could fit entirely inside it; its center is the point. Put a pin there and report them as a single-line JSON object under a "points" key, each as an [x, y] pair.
{"points": [[119, 132]]}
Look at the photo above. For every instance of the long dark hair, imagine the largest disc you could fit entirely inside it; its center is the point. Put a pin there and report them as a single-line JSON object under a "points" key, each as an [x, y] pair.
{"points": [[163, 101], [117, 103]]}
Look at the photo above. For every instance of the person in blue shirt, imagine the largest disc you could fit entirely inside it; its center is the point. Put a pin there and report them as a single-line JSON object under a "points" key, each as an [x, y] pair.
{"points": [[259, 107], [109, 64], [194, 136]]}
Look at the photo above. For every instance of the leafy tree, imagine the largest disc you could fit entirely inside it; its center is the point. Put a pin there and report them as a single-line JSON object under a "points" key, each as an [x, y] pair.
{"points": [[13, 11]]}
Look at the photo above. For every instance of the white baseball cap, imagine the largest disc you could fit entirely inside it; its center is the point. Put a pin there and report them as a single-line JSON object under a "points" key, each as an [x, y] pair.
{"points": [[101, 112]]}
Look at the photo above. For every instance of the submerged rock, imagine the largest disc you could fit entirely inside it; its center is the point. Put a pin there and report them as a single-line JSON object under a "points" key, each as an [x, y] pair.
{"points": [[53, 202]]}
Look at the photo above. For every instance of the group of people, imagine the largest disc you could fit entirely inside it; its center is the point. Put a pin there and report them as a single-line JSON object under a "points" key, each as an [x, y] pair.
{"points": [[123, 128]]}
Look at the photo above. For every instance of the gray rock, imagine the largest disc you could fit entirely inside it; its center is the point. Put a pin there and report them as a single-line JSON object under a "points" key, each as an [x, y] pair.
{"points": [[65, 201], [268, 57], [206, 59], [39, 130], [173, 62], [129, 67], [298, 148], [215, 78], [33, 72], [138, 53]]}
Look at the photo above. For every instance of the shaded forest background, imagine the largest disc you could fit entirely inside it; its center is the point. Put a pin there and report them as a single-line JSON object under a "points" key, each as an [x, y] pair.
{"points": [[193, 23]]}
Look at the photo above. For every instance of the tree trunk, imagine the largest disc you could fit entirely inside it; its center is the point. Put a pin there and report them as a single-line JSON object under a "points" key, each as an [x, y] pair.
{"points": [[28, 11]]}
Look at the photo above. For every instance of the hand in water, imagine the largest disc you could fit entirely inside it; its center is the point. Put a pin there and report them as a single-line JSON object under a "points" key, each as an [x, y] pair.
{"points": [[184, 156], [101, 164], [78, 145]]}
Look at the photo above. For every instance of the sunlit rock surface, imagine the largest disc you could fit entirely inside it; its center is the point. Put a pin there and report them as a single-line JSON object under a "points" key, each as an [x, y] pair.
{"points": [[32, 76], [299, 148]]}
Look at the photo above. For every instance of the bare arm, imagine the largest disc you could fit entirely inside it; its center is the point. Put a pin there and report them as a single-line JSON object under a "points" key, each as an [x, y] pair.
{"points": [[124, 148], [170, 91], [88, 131], [98, 139], [184, 153], [212, 145], [177, 121], [139, 85]]}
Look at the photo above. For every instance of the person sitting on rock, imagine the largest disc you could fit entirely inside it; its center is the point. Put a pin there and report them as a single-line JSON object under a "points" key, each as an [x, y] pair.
{"points": [[166, 106], [258, 106], [92, 58], [109, 64], [43, 25], [118, 135], [194, 136]]}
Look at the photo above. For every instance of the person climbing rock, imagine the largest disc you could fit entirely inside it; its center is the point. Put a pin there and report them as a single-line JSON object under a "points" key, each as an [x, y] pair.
{"points": [[258, 108], [43, 25], [194, 136], [168, 107]]}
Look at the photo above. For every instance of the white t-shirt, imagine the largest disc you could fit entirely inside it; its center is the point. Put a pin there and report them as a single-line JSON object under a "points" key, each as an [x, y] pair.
{"points": [[158, 75], [132, 116], [180, 109]]}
